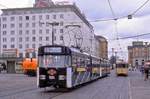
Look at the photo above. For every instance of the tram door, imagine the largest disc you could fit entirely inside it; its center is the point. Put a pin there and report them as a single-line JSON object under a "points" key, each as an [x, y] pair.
{"points": [[10, 66]]}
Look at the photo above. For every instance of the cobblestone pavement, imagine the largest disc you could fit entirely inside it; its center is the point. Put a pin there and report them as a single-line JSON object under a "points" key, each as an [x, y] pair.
{"points": [[140, 89], [19, 86]]}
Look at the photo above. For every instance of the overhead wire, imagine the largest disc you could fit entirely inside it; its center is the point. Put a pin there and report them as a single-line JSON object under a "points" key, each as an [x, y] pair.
{"points": [[139, 8], [128, 37], [112, 11], [116, 25]]}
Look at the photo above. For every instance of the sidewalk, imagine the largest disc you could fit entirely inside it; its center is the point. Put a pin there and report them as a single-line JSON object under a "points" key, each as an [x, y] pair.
{"points": [[140, 89]]}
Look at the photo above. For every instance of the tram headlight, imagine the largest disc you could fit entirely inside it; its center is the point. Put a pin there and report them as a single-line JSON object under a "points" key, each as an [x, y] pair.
{"points": [[62, 77], [42, 77]]}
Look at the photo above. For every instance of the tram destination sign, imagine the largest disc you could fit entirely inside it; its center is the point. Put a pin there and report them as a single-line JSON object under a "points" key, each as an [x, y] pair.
{"points": [[52, 50]]}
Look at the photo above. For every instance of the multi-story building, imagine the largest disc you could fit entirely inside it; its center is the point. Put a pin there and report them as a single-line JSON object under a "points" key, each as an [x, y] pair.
{"points": [[25, 29], [138, 53], [102, 47]]}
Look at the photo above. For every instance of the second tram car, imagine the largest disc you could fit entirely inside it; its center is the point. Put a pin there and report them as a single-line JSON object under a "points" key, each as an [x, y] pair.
{"points": [[122, 69], [64, 67]]}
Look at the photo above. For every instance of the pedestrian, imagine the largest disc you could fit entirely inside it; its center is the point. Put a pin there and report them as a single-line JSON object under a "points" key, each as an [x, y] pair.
{"points": [[4, 66], [146, 71]]}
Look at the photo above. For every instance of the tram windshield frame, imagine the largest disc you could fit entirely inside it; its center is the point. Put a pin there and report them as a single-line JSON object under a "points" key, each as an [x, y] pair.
{"points": [[54, 56], [121, 65]]}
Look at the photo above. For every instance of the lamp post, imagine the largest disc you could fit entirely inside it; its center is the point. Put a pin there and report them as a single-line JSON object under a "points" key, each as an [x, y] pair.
{"points": [[53, 24]]}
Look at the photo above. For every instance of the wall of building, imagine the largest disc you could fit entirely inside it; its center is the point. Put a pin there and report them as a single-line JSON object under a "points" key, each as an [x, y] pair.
{"points": [[138, 53], [26, 28]]}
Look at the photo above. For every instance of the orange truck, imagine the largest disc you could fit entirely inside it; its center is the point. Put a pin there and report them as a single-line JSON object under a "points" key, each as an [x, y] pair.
{"points": [[29, 66]]}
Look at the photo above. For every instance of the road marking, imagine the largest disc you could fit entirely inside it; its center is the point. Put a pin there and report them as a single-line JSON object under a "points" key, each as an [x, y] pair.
{"points": [[130, 92]]}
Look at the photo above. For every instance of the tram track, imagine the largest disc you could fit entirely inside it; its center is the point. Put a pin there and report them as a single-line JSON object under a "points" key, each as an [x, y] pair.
{"points": [[57, 94]]}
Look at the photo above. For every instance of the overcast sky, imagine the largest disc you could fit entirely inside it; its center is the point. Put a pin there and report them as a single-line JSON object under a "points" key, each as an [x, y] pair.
{"points": [[99, 9]]}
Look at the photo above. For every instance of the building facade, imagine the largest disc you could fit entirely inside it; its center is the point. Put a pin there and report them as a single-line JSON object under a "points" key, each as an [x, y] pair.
{"points": [[25, 29], [102, 47], [138, 53]]}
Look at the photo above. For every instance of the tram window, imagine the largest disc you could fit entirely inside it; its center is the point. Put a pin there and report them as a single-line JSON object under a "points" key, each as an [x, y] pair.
{"points": [[40, 60], [74, 61], [54, 61], [82, 62], [122, 66], [27, 55]]}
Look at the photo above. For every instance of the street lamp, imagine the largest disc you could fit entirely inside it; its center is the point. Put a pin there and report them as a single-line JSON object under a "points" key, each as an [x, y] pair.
{"points": [[53, 24]]}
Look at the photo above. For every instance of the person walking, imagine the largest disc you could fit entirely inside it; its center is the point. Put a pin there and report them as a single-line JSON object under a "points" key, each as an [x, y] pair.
{"points": [[146, 71]]}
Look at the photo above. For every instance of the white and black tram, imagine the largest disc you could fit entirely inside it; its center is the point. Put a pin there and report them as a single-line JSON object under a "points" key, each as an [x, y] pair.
{"points": [[64, 67]]}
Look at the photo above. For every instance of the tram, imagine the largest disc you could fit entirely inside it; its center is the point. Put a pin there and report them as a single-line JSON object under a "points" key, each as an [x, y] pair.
{"points": [[64, 67], [122, 69]]}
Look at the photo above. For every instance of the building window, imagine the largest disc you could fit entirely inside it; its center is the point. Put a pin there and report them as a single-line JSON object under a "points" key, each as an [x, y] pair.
{"points": [[40, 38], [40, 31], [40, 24], [4, 46], [27, 45], [20, 18], [61, 23], [33, 24], [33, 55], [61, 37], [4, 25], [21, 55], [47, 38], [20, 46], [61, 16], [33, 39], [4, 19], [12, 25], [12, 39], [54, 16], [27, 55], [40, 45], [61, 31], [27, 24], [27, 32], [12, 32], [12, 18], [47, 16], [33, 17], [20, 25], [40, 17], [27, 38], [27, 17], [20, 32], [4, 40], [33, 32], [33, 46], [12, 46], [47, 31], [4, 32], [20, 39]]}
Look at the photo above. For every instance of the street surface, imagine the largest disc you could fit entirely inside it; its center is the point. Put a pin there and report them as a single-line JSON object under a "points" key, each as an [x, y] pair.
{"points": [[19, 86]]}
